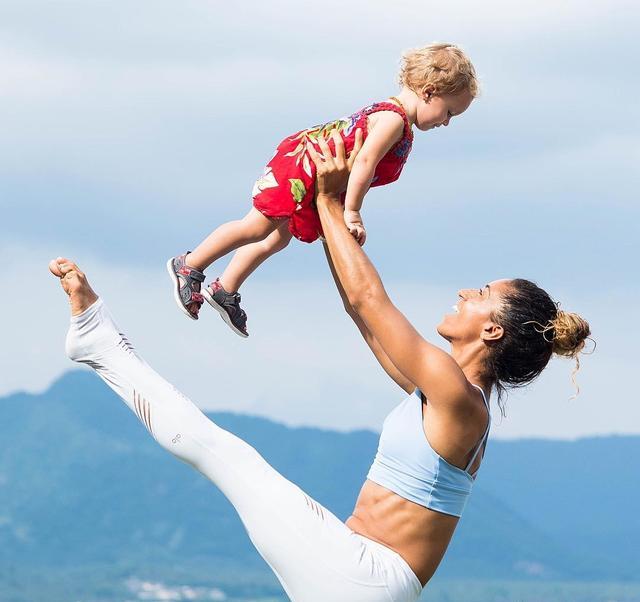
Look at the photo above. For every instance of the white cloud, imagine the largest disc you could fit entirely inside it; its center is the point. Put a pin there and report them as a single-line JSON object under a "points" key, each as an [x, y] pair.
{"points": [[117, 114], [304, 362], [104, 94], [155, 29], [25, 76], [603, 170]]}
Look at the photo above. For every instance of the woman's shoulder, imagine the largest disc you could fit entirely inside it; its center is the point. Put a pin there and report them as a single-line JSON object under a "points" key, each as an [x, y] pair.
{"points": [[448, 390]]}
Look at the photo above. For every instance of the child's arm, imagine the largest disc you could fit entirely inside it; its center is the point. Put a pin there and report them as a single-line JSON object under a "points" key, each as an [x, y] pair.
{"points": [[383, 134]]}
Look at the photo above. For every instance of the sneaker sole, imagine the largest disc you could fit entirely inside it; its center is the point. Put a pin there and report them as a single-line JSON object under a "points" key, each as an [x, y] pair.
{"points": [[223, 314], [176, 289]]}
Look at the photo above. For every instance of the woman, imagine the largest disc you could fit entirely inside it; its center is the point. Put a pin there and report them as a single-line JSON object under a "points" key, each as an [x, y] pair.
{"points": [[431, 445]]}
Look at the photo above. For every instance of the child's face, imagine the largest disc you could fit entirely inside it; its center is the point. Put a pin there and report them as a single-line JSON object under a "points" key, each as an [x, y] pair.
{"points": [[435, 110]]}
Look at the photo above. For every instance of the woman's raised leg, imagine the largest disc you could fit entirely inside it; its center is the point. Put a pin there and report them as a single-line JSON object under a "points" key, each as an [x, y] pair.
{"points": [[315, 556]]}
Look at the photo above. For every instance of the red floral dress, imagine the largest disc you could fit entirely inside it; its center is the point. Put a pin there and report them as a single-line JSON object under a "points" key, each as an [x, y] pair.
{"points": [[287, 187]]}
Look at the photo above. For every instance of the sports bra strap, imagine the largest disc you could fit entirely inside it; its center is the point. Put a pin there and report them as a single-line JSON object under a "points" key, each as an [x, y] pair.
{"points": [[486, 432]]}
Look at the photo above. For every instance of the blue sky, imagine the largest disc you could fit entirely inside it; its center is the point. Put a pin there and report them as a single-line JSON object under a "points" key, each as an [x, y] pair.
{"points": [[130, 131]]}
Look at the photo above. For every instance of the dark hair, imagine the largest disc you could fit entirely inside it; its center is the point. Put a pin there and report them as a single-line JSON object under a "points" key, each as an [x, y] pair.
{"points": [[534, 329]]}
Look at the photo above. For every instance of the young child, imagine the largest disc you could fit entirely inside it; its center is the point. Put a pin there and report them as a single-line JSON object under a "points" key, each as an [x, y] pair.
{"points": [[437, 83]]}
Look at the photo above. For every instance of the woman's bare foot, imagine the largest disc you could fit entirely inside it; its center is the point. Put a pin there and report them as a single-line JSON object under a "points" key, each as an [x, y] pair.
{"points": [[74, 283]]}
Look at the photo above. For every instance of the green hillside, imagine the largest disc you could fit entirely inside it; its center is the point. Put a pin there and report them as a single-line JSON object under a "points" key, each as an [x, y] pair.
{"points": [[85, 491]]}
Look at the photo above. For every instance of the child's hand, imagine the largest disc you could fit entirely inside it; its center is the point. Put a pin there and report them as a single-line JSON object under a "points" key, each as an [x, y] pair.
{"points": [[353, 220]]}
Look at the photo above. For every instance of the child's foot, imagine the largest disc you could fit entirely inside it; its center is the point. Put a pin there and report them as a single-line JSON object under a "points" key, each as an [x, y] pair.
{"points": [[187, 283], [228, 306]]}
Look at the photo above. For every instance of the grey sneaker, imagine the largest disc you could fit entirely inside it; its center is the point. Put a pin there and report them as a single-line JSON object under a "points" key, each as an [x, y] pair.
{"points": [[187, 283], [228, 306]]}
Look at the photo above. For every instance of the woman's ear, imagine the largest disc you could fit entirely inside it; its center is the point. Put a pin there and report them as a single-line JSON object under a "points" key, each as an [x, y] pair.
{"points": [[492, 332]]}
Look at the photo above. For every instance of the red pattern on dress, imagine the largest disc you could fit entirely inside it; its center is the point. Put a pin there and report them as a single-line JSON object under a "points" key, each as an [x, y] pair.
{"points": [[287, 187]]}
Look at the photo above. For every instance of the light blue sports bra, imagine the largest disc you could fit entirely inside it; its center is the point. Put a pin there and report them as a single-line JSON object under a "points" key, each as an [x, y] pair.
{"points": [[407, 465]]}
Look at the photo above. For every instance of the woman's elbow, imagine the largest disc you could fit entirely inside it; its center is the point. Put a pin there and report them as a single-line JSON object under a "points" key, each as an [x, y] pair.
{"points": [[362, 299], [348, 308]]}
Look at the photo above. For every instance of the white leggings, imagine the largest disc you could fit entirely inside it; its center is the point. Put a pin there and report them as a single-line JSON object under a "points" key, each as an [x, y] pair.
{"points": [[315, 556]]}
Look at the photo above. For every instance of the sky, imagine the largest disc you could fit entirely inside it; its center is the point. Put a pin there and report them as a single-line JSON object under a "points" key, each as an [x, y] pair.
{"points": [[131, 130]]}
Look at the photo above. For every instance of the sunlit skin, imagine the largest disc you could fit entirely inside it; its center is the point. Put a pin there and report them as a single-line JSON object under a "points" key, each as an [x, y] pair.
{"points": [[74, 283], [471, 327], [257, 237], [421, 535], [454, 414], [427, 109]]}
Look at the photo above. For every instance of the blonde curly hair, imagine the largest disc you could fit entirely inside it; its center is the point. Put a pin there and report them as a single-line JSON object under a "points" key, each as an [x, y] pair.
{"points": [[444, 66]]}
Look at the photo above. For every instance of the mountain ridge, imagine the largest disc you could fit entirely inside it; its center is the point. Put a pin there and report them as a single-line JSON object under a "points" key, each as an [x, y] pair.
{"points": [[84, 482]]}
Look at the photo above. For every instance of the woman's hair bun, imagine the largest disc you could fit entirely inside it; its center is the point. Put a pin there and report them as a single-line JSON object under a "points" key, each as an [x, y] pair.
{"points": [[534, 329], [570, 333]]}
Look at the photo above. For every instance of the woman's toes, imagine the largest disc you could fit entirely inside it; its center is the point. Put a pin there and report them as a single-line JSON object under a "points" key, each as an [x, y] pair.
{"points": [[74, 283], [54, 268]]}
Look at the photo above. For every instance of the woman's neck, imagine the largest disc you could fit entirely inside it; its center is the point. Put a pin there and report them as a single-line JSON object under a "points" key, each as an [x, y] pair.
{"points": [[472, 359]]}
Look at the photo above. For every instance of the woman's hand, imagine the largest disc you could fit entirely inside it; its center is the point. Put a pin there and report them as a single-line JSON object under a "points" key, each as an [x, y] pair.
{"points": [[419, 362], [332, 172]]}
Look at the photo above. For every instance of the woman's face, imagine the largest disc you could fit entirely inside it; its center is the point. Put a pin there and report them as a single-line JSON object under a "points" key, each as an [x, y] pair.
{"points": [[435, 110], [472, 314]]}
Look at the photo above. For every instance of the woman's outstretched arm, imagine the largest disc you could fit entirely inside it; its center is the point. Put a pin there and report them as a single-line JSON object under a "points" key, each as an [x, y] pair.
{"points": [[433, 370], [388, 366]]}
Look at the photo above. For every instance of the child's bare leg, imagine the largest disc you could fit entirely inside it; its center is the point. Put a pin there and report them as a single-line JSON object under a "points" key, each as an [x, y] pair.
{"points": [[251, 228], [246, 259]]}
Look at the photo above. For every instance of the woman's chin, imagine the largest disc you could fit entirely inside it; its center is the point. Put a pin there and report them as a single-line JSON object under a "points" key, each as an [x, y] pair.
{"points": [[448, 326], [443, 330]]}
